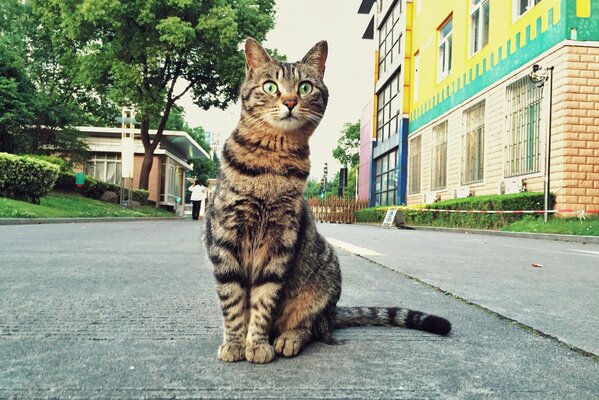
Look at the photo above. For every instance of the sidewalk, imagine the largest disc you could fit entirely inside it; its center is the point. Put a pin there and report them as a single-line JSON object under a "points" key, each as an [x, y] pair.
{"points": [[130, 312]]}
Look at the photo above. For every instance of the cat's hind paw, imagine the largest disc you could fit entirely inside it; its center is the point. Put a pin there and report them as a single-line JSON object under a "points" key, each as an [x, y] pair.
{"points": [[231, 352], [259, 353]]}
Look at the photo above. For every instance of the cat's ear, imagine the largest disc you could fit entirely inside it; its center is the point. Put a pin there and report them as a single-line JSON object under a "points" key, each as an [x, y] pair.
{"points": [[255, 55], [317, 56]]}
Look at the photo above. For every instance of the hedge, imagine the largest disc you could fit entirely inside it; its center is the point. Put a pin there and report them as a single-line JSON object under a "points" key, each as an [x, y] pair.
{"points": [[95, 189], [510, 202], [26, 178]]}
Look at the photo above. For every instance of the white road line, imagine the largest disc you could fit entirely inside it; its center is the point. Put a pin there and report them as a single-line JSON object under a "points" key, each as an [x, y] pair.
{"points": [[352, 249], [586, 251]]}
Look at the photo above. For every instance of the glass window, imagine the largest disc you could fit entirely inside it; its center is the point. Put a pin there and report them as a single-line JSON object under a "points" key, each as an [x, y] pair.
{"points": [[414, 165], [445, 48], [522, 6], [473, 144], [385, 181], [389, 104], [523, 150], [105, 167], [479, 25], [390, 39], [439, 157]]}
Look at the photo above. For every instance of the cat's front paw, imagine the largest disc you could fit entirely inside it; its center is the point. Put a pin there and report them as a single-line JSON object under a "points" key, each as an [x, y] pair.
{"points": [[288, 344], [259, 353], [231, 352]]}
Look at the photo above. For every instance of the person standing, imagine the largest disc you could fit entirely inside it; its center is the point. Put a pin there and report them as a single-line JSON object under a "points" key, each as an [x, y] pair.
{"points": [[198, 194]]}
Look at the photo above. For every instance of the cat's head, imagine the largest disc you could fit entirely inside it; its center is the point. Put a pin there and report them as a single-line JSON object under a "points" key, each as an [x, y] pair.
{"points": [[286, 96]]}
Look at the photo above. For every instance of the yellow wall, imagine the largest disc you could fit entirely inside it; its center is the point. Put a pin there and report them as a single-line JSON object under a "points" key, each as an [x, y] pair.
{"points": [[502, 29]]}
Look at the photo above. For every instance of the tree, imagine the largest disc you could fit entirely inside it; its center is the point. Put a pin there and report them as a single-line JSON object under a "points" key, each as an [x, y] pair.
{"points": [[56, 97], [15, 102], [348, 146], [149, 53]]}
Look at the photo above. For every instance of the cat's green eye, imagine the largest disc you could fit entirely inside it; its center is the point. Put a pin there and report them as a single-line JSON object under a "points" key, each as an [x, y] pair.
{"points": [[270, 87], [305, 88]]}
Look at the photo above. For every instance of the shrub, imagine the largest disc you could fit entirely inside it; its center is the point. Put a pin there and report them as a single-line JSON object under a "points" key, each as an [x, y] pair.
{"points": [[94, 188], [519, 201], [26, 178]]}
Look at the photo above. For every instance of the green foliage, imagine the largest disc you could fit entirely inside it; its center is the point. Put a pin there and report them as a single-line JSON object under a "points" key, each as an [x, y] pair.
{"points": [[565, 226], [519, 201], [348, 146], [26, 178], [312, 189], [135, 52], [94, 188], [70, 205]]}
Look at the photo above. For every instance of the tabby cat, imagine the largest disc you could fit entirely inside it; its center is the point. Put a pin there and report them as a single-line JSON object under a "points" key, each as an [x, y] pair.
{"points": [[278, 280]]}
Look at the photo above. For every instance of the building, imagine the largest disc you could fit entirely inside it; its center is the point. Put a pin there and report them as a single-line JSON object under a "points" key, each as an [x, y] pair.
{"points": [[390, 27], [171, 161], [502, 96]]}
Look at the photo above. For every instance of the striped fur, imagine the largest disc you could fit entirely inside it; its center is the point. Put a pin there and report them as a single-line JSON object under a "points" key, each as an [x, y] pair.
{"points": [[278, 280]]}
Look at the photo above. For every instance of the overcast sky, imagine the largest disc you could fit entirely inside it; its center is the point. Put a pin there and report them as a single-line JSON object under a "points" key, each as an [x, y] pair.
{"points": [[349, 70]]}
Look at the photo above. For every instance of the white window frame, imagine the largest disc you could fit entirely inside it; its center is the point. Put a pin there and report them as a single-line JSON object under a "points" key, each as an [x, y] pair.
{"points": [[439, 156], [445, 49], [415, 165], [479, 25], [416, 84], [516, 7]]}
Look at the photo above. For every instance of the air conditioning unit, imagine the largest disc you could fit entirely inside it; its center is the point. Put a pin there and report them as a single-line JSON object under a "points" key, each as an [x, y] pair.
{"points": [[461, 192], [510, 186], [430, 197]]}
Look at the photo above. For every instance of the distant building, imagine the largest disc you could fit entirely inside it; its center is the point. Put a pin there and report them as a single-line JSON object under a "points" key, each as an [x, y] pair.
{"points": [[390, 27], [483, 106], [168, 170], [497, 95]]}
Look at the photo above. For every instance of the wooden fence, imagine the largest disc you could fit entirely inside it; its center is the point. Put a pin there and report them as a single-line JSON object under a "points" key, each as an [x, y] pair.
{"points": [[336, 210]]}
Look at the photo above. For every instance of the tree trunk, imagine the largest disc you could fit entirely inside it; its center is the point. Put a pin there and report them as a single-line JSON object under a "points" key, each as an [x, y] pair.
{"points": [[151, 145]]}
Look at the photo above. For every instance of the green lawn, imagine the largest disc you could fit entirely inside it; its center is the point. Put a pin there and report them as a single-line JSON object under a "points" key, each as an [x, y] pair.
{"points": [[61, 205], [565, 226]]}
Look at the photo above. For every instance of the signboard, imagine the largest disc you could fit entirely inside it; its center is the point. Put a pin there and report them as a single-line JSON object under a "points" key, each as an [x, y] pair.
{"points": [[393, 218], [128, 133]]}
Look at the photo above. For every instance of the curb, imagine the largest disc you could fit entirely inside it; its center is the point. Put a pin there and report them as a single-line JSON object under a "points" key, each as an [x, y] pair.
{"points": [[39, 221], [527, 235]]}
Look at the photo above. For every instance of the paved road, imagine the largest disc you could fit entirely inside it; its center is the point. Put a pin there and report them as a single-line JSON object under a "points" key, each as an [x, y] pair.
{"points": [[560, 299], [128, 310]]}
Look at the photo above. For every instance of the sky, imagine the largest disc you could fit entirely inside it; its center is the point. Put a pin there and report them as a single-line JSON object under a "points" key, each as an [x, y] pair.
{"points": [[348, 76]]}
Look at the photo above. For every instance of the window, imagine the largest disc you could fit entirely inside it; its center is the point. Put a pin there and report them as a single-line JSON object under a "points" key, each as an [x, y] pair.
{"points": [[386, 179], [414, 165], [473, 144], [439, 157], [479, 25], [388, 105], [445, 48], [523, 149], [522, 6], [390, 34], [416, 83], [105, 167]]}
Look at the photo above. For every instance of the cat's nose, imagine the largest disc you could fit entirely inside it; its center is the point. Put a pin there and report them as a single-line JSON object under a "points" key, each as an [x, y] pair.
{"points": [[290, 103]]}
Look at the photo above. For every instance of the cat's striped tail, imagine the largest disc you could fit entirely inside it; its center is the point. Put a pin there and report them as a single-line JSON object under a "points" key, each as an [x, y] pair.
{"points": [[391, 316]]}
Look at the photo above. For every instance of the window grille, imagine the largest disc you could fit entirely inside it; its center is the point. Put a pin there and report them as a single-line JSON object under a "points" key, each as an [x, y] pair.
{"points": [[439, 157], [523, 149], [473, 144], [414, 164]]}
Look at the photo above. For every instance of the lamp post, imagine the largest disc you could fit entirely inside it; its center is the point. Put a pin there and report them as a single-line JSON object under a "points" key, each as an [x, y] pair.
{"points": [[539, 76]]}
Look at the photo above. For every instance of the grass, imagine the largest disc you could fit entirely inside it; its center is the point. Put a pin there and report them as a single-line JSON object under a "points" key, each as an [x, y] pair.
{"points": [[564, 226], [62, 205]]}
